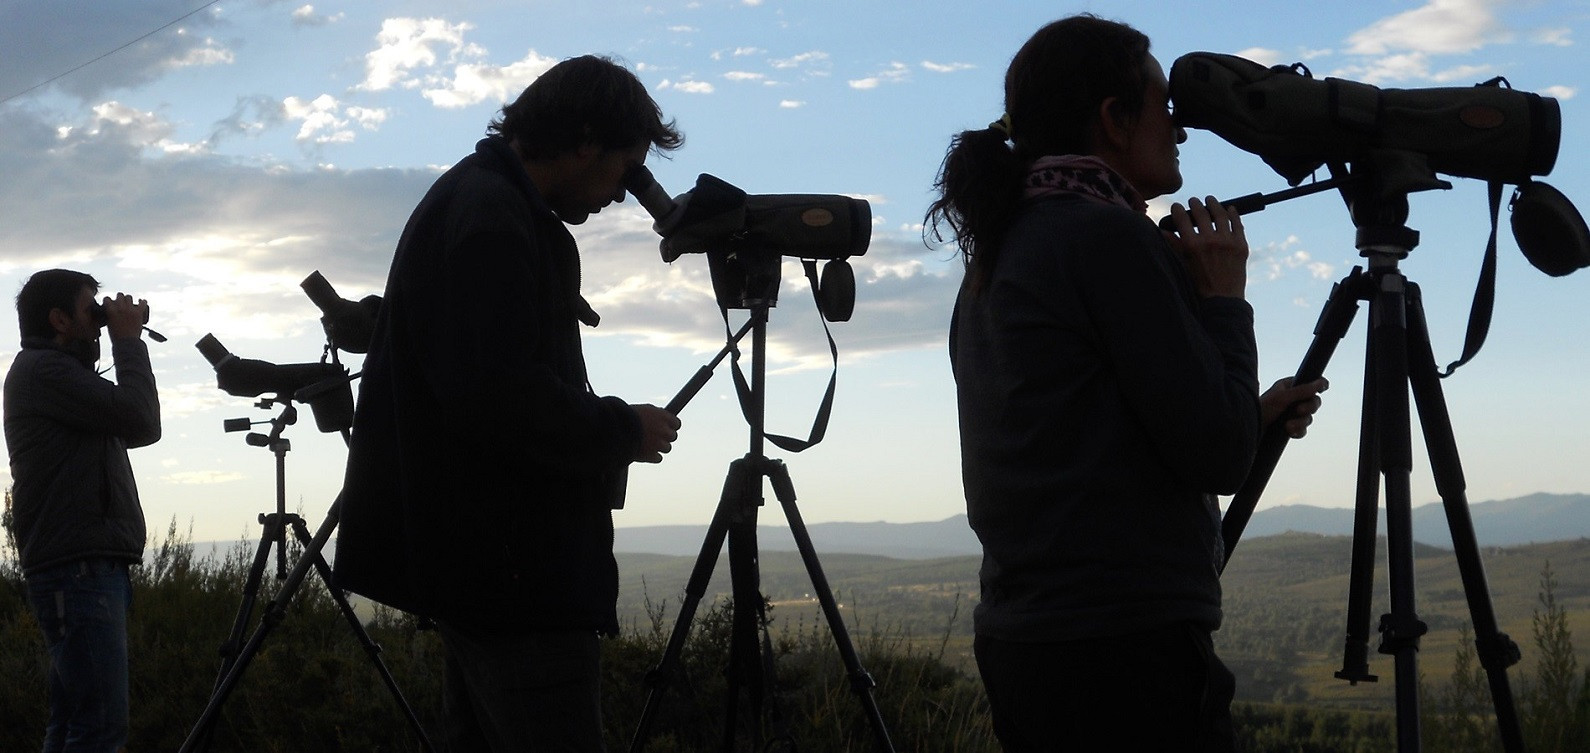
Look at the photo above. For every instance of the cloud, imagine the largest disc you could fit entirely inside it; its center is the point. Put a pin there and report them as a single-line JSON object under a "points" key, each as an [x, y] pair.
{"points": [[688, 87], [1440, 27], [217, 241], [96, 48], [1557, 37], [805, 59], [946, 67], [474, 83], [894, 74], [1276, 259], [250, 116], [1263, 56], [737, 52], [1559, 92], [305, 15], [327, 121], [407, 44], [202, 477], [744, 76], [432, 56], [791, 104]]}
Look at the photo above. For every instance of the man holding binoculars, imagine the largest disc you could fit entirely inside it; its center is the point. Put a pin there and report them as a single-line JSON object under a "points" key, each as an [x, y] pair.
{"points": [[77, 518]]}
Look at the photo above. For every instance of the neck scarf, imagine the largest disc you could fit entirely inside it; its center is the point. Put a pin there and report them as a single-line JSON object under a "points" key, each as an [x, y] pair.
{"points": [[1084, 175]]}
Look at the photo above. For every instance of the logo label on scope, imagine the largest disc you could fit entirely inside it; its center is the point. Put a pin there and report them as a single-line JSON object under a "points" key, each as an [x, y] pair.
{"points": [[817, 217]]}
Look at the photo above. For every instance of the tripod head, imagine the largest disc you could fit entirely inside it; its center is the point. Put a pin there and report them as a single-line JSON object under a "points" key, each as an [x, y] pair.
{"points": [[274, 440]]}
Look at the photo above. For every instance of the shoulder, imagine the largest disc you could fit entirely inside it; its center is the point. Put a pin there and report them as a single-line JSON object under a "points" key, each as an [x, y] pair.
{"points": [[1071, 231]]}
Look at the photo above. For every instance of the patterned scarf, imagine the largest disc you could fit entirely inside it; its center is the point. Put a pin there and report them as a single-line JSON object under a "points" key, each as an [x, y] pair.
{"points": [[1086, 176]]}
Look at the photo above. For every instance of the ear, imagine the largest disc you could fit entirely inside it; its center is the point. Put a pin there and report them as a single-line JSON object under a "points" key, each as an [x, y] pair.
{"points": [[1114, 127], [60, 321]]}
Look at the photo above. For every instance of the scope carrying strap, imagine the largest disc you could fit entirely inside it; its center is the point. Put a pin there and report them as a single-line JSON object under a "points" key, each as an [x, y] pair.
{"points": [[820, 422], [1484, 292]]}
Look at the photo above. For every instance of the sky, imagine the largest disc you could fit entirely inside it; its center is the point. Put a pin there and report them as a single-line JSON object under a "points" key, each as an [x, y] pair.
{"points": [[208, 158]]}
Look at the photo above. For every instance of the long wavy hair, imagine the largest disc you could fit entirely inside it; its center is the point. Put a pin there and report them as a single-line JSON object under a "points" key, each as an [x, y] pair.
{"points": [[1053, 90]]}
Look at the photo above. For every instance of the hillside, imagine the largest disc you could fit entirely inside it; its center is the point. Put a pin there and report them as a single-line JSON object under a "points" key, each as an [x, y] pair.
{"points": [[1508, 522], [1286, 605]]}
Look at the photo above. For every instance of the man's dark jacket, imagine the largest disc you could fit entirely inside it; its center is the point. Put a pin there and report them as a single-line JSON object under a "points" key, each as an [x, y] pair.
{"points": [[68, 430], [483, 470]]}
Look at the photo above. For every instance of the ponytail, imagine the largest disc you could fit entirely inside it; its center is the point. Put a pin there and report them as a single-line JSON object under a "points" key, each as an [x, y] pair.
{"points": [[979, 187]]}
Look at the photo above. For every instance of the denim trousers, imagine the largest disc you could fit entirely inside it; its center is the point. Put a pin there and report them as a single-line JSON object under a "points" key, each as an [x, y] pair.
{"points": [[527, 693], [82, 607], [1162, 691]]}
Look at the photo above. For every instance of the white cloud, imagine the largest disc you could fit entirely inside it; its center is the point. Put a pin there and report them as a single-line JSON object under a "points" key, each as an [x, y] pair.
{"points": [[791, 104], [744, 76], [406, 44], [327, 121], [894, 74], [688, 87], [202, 477], [208, 52], [1276, 259], [474, 83], [683, 29], [803, 59], [1559, 92], [1438, 27], [305, 15], [145, 129], [1262, 55], [1463, 74], [1558, 37], [1405, 67], [946, 67]]}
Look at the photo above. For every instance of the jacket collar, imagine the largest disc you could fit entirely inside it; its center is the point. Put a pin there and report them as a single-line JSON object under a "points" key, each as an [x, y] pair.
{"points": [[498, 155]]}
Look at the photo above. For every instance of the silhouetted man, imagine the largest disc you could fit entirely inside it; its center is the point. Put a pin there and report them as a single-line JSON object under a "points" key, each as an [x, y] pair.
{"points": [[77, 519], [483, 468]]}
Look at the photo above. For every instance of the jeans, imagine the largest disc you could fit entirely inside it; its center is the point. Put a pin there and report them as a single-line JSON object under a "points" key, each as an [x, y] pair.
{"points": [[524, 693], [82, 607], [1163, 690]]}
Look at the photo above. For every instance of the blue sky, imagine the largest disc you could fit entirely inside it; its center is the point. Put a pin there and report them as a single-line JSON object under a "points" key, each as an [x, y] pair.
{"points": [[212, 165]]}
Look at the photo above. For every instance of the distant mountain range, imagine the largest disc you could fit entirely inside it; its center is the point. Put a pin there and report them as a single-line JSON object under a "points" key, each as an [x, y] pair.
{"points": [[1536, 518]]}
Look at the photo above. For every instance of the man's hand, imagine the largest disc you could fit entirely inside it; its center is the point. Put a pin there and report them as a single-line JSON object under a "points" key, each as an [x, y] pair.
{"points": [[123, 318], [1295, 406], [1211, 241], [658, 430]]}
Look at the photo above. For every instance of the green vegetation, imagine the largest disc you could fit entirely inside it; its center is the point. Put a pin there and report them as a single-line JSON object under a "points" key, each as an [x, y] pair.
{"points": [[312, 687]]}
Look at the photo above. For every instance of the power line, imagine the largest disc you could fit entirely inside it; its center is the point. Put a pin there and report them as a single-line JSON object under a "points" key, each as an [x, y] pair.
{"points": [[64, 74]]}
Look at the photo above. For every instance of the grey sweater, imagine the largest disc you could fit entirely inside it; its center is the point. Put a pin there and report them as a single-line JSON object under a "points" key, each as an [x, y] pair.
{"points": [[68, 430], [1102, 406]]}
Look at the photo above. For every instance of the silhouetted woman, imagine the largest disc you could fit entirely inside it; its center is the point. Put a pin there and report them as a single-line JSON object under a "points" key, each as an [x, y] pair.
{"points": [[1107, 387]]}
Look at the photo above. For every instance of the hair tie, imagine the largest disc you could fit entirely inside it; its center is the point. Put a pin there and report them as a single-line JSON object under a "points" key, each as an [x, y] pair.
{"points": [[1002, 125]]}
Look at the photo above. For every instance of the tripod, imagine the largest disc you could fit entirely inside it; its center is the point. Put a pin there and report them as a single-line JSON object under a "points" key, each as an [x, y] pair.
{"points": [[750, 662], [236, 655], [1398, 356]]}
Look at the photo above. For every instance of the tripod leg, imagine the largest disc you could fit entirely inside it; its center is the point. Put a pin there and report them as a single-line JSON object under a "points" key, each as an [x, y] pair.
{"points": [[1496, 650], [313, 546], [750, 616], [860, 681], [269, 536], [659, 678], [1334, 320], [273, 614], [1366, 514], [1401, 629]]}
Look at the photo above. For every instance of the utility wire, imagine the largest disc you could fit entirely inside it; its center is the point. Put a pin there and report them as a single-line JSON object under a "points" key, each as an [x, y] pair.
{"points": [[64, 74]]}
